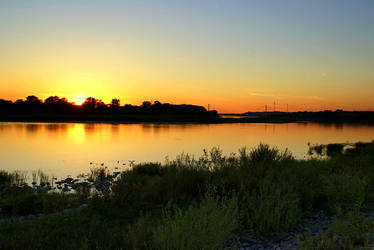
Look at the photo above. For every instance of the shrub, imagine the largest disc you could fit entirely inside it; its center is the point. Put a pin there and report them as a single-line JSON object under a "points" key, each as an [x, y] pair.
{"points": [[150, 169], [98, 173], [345, 189], [263, 153], [274, 209], [139, 235], [319, 150], [334, 149], [5, 178], [17, 201], [204, 226], [178, 183]]}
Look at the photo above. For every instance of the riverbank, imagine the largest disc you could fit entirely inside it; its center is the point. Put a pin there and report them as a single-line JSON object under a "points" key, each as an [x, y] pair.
{"points": [[118, 119], [339, 117], [256, 198]]}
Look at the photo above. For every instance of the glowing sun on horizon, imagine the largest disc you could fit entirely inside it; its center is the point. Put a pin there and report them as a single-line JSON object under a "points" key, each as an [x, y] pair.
{"points": [[78, 99]]}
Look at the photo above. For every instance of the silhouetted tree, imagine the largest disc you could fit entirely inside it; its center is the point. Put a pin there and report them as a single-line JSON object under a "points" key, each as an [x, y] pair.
{"points": [[5, 102], [92, 104], [53, 100], [33, 100], [146, 104], [34, 108], [89, 103], [100, 105], [157, 107], [5, 106], [55, 104], [115, 103]]}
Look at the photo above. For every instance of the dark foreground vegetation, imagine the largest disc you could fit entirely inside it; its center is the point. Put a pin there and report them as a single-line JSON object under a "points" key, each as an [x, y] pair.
{"points": [[55, 108], [203, 203]]}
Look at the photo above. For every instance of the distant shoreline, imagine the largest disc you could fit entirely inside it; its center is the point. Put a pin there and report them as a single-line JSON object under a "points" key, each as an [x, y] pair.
{"points": [[55, 109], [179, 120]]}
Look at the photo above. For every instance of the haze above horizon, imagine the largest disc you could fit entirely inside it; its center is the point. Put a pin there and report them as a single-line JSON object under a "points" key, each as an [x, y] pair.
{"points": [[234, 55]]}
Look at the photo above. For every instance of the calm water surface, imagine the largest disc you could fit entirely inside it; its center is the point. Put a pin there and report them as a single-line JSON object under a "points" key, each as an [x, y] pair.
{"points": [[68, 148]]}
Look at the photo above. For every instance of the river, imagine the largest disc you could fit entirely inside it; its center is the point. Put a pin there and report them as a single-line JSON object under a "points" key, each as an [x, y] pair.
{"points": [[72, 148]]}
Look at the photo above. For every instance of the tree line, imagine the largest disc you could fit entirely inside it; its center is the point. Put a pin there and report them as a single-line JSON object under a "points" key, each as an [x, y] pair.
{"points": [[57, 105]]}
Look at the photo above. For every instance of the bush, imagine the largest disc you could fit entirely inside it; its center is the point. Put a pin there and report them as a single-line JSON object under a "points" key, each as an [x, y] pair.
{"points": [[204, 226], [274, 208], [5, 178], [17, 201], [17, 205], [150, 169], [140, 234], [263, 153], [180, 184], [334, 149], [345, 189]]}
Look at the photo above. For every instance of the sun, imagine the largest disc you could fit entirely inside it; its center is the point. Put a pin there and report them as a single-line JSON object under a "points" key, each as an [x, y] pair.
{"points": [[77, 99]]}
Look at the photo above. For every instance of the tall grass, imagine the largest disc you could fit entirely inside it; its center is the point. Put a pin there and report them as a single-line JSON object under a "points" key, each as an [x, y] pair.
{"points": [[274, 189], [16, 178], [18, 199], [204, 226], [273, 209]]}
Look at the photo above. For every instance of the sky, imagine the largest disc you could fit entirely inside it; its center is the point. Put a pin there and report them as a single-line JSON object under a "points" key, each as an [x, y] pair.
{"points": [[236, 56]]}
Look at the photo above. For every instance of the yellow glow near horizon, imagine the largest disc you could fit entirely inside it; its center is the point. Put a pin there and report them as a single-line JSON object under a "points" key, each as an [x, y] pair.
{"points": [[78, 100]]}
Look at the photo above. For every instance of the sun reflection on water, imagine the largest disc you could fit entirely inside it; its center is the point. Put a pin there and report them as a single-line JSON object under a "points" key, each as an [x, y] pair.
{"points": [[76, 133]]}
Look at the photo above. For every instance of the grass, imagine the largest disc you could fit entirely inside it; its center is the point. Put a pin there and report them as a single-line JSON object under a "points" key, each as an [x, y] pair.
{"points": [[195, 203], [206, 225], [18, 201]]}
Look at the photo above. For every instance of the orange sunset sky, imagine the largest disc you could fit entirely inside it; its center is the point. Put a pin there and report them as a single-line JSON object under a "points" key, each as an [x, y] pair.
{"points": [[234, 55]]}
